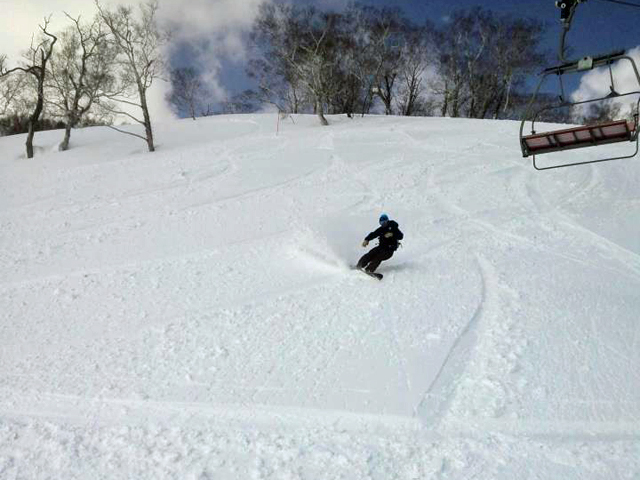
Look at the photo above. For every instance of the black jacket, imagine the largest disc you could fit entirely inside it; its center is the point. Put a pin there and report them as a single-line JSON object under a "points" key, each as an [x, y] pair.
{"points": [[388, 243]]}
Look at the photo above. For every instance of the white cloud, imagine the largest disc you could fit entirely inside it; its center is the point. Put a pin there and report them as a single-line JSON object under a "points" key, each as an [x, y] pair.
{"points": [[193, 19], [215, 30], [595, 83]]}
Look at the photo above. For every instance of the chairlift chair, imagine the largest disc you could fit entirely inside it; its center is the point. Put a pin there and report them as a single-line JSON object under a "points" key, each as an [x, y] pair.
{"points": [[584, 135]]}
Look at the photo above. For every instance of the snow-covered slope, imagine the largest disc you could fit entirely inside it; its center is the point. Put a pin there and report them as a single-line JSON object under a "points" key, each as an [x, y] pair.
{"points": [[191, 314]]}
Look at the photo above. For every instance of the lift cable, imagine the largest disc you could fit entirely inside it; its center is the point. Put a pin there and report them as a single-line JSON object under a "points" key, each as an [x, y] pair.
{"points": [[621, 2]]}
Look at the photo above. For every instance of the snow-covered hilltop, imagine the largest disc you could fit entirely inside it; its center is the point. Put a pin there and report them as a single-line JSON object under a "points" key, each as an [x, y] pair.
{"points": [[191, 313]]}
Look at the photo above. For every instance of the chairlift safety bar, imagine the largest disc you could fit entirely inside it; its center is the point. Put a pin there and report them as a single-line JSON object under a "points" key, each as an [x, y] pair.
{"points": [[587, 63]]}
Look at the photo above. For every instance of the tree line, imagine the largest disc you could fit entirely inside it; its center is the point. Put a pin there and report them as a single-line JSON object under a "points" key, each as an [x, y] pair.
{"points": [[307, 59], [366, 59], [357, 61]]}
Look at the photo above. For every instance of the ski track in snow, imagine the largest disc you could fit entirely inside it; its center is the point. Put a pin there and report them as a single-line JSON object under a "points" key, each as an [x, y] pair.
{"points": [[191, 313], [438, 397]]}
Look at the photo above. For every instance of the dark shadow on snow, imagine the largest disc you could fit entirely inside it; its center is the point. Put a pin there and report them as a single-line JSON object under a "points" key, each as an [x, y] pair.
{"points": [[400, 267]]}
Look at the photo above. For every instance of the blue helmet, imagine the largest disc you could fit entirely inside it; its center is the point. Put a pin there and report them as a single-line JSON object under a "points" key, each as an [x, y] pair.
{"points": [[383, 219]]}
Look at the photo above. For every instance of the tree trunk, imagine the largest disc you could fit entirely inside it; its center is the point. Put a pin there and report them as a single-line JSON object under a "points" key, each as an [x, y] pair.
{"points": [[296, 101], [64, 145], [485, 108], [445, 101], [471, 113], [445, 106], [147, 121], [367, 101], [385, 94], [508, 93], [320, 113], [149, 134], [413, 91], [29, 142], [35, 116], [323, 120], [387, 97], [455, 102]]}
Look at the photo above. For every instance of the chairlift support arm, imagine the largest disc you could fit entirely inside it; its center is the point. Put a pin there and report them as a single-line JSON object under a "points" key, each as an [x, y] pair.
{"points": [[567, 11]]}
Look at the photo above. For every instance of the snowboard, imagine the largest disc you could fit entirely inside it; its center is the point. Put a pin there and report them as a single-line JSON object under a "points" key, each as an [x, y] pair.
{"points": [[374, 275], [371, 274]]}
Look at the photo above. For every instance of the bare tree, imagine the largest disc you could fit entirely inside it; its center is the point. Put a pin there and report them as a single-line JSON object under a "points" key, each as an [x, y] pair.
{"points": [[275, 38], [14, 92], [300, 54], [332, 62], [139, 43], [37, 58], [360, 59], [11, 87], [515, 56], [482, 58], [450, 85], [208, 111], [462, 45], [387, 33], [476, 50], [187, 90], [415, 60], [340, 62], [79, 73], [315, 60]]}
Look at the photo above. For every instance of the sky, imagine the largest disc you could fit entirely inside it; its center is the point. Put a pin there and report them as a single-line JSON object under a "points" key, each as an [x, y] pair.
{"points": [[211, 34]]}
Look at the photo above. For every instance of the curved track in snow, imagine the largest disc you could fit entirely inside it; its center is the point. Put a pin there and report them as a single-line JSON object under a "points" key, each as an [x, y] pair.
{"points": [[192, 314]]}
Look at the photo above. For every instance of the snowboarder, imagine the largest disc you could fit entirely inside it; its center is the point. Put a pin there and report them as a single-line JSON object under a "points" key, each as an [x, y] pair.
{"points": [[388, 236]]}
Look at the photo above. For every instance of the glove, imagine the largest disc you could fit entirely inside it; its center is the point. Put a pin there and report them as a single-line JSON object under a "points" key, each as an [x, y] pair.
{"points": [[388, 235], [365, 243]]}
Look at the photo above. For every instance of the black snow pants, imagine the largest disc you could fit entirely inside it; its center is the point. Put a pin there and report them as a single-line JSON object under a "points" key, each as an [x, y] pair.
{"points": [[372, 259]]}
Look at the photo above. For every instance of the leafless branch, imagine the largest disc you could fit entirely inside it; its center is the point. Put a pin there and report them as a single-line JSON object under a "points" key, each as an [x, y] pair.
{"points": [[126, 133]]}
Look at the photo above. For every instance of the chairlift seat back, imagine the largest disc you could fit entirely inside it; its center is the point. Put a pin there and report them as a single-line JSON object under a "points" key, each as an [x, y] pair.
{"points": [[578, 137]]}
